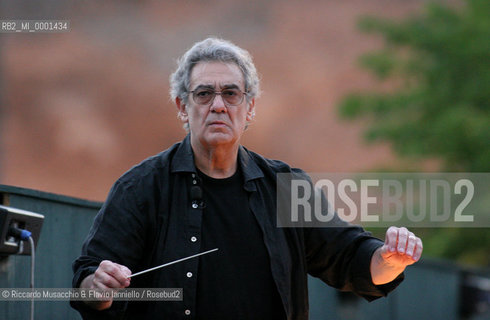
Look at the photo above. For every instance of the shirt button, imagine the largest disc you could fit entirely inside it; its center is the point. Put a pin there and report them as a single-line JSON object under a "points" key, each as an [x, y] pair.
{"points": [[187, 312], [193, 239], [194, 205], [194, 182], [189, 274]]}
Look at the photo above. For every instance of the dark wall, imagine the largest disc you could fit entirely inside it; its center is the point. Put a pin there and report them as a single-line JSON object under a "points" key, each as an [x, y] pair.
{"points": [[432, 289]]}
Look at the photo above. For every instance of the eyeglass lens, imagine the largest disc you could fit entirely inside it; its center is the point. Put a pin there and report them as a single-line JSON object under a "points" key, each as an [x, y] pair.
{"points": [[231, 97]]}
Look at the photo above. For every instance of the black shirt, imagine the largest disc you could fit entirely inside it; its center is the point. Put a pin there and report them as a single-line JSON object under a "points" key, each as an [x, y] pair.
{"points": [[148, 219], [236, 282]]}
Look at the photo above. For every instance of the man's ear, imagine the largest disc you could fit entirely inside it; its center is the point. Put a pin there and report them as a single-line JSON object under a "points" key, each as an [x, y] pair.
{"points": [[251, 110], [181, 109]]}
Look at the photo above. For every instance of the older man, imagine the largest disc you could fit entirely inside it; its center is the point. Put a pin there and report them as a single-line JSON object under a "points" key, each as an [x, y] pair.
{"points": [[208, 191]]}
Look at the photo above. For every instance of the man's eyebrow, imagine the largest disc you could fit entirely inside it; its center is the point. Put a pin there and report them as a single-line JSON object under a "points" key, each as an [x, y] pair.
{"points": [[204, 86], [230, 86]]}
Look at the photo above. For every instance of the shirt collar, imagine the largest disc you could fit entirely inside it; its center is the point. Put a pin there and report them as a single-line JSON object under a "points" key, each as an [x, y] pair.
{"points": [[250, 169], [183, 161]]}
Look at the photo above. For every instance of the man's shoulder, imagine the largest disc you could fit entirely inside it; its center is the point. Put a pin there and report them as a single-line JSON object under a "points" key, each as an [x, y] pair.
{"points": [[272, 165], [152, 166]]}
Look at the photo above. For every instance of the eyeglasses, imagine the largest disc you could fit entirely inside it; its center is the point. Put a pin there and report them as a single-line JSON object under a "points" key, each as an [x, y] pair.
{"points": [[205, 96]]}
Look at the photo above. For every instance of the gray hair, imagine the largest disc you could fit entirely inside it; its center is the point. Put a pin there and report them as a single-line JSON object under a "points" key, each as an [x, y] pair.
{"points": [[209, 50]]}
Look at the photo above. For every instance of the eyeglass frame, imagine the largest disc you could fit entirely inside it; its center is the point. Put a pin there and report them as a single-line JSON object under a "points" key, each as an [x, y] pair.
{"points": [[219, 93]]}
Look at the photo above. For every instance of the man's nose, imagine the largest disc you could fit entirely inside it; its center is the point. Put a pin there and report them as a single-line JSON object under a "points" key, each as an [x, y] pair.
{"points": [[218, 104]]}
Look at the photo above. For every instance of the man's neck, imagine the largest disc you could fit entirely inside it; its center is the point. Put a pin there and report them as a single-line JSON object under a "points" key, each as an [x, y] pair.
{"points": [[217, 161]]}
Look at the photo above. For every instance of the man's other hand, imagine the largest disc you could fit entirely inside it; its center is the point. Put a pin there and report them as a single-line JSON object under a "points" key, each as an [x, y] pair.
{"points": [[401, 249]]}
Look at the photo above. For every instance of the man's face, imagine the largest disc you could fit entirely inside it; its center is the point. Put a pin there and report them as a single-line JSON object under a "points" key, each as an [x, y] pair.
{"points": [[216, 123]]}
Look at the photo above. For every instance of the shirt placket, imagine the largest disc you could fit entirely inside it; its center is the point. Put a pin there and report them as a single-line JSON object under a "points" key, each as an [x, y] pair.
{"points": [[194, 211]]}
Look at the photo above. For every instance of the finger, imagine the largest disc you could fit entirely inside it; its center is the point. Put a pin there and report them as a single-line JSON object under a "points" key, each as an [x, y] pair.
{"points": [[103, 280], [116, 277], [411, 243], [391, 238], [418, 250], [100, 287], [115, 271], [124, 270], [402, 239], [384, 251], [125, 273]]}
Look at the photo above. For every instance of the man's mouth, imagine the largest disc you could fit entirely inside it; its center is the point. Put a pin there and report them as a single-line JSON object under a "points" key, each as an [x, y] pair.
{"points": [[217, 123]]}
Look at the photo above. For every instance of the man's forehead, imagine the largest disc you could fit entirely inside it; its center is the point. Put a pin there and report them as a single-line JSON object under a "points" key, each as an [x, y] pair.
{"points": [[216, 74]]}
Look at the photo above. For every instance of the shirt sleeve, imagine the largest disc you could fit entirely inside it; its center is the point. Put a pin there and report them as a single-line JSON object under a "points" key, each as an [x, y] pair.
{"points": [[117, 234], [341, 257]]}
